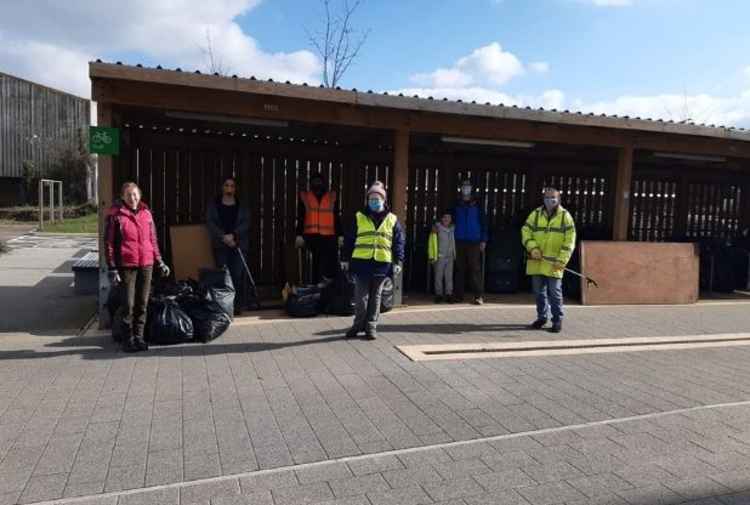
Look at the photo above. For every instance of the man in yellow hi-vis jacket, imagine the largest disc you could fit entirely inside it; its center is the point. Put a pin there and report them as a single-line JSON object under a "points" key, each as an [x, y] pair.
{"points": [[549, 236]]}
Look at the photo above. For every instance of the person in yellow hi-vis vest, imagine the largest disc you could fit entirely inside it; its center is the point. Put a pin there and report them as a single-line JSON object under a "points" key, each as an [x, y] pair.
{"points": [[549, 236], [373, 250]]}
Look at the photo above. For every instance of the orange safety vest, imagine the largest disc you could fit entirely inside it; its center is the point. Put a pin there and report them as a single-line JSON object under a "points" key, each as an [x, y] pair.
{"points": [[319, 218]]}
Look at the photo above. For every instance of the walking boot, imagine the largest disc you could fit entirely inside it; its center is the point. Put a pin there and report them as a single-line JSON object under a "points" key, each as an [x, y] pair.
{"points": [[438, 299], [538, 324], [352, 333], [556, 327], [140, 344], [371, 334]]}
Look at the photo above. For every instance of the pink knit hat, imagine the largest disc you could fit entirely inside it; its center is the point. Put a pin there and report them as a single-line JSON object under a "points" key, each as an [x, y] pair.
{"points": [[377, 188]]}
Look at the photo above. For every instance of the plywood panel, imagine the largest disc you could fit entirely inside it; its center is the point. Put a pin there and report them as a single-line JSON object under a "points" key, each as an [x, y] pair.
{"points": [[191, 250], [640, 273]]}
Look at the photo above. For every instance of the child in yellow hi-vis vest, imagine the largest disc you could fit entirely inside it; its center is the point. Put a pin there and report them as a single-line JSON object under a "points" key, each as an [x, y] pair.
{"points": [[441, 252]]}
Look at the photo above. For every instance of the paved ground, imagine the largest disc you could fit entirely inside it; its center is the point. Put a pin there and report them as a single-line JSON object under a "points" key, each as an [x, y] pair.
{"points": [[289, 413], [35, 285], [10, 231]]}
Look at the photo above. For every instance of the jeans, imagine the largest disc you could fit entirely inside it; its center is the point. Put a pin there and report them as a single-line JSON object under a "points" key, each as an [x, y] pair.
{"points": [[549, 295], [368, 291], [136, 287], [229, 257]]}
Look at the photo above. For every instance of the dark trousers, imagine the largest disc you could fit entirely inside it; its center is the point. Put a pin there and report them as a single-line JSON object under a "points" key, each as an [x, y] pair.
{"points": [[324, 250], [368, 291], [230, 257], [468, 268], [135, 289]]}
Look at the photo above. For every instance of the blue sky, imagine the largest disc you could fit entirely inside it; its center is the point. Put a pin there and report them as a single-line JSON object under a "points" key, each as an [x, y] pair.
{"points": [[677, 59]]}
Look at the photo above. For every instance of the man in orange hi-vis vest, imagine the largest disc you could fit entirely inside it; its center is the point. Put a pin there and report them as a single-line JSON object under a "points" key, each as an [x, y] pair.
{"points": [[319, 227]]}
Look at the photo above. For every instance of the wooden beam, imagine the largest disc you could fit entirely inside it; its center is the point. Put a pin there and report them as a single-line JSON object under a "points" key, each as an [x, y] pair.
{"points": [[400, 174], [105, 180], [623, 181]]}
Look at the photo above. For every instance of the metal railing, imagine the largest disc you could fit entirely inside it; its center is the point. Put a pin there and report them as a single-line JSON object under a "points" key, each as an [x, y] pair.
{"points": [[51, 184]]}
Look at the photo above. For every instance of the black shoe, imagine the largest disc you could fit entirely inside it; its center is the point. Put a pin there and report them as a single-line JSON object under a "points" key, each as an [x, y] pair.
{"points": [[130, 345], [371, 335], [140, 344], [352, 333], [450, 299], [538, 324], [439, 299], [556, 327]]}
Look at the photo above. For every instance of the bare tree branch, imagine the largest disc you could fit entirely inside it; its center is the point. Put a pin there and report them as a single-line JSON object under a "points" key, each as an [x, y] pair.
{"points": [[337, 43], [214, 62]]}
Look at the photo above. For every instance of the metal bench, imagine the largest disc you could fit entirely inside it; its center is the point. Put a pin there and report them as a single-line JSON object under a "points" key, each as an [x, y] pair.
{"points": [[86, 274]]}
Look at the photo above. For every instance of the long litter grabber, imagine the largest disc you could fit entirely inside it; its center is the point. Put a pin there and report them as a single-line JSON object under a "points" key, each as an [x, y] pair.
{"points": [[589, 280], [254, 301]]}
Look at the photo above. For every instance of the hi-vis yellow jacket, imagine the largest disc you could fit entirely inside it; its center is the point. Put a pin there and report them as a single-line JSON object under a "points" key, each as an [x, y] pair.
{"points": [[555, 237]]}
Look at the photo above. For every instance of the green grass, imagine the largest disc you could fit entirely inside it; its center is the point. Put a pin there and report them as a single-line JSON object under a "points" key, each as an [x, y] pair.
{"points": [[84, 224]]}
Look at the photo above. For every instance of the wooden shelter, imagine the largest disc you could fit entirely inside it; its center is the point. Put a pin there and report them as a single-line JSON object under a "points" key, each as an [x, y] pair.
{"points": [[622, 178]]}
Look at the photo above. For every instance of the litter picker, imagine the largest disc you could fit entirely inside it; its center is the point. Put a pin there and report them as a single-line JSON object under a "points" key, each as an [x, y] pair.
{"points": [[589, 280], [253, 290]]}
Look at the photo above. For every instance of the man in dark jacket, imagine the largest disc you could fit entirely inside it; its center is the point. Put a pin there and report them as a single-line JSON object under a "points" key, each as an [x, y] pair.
{"points": [[373, 250], [228, 223], [471, 239], [319, 227]]}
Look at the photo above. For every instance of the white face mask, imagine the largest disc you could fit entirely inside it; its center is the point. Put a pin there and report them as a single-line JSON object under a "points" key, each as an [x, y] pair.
{"points": [[551, 202]]}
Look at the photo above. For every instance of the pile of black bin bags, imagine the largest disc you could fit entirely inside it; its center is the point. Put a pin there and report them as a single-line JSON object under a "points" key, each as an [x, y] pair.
{"points": [[184, 311], [334, 297]]}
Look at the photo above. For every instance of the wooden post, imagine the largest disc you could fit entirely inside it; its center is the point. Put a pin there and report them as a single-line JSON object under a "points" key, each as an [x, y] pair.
{"points": [[623, 181], [400, 174], [105, 182], [399, 195]]}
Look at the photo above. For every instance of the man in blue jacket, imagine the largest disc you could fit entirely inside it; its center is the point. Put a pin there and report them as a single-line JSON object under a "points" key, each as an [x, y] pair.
{"points": [[471, 239], [373, 250]]}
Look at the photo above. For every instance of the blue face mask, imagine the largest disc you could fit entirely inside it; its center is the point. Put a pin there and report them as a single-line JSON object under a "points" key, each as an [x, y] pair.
{"points": [[551, 203], [375, 204]]}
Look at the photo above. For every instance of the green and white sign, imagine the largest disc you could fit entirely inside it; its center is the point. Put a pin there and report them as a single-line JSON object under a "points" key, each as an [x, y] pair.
{"points": [[103, 140]]}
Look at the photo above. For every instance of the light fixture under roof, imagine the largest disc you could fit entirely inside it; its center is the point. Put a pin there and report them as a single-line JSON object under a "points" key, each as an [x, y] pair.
{"points": [[227, 119], [691, 157], [488, 142]]}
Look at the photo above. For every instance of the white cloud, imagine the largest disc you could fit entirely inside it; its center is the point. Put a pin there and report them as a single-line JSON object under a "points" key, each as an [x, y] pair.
{"points": [[489, 64], [172, 33], [700, 108], [540, 67]]}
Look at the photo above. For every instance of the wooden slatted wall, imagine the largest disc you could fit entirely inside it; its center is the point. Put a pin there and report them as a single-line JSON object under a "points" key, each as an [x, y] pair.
{"points": [[179, 176], [33, 120]]}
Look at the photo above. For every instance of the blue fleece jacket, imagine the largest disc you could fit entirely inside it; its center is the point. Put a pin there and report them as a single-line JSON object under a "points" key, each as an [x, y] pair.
{"points": [[372, 268], [470, 221]]}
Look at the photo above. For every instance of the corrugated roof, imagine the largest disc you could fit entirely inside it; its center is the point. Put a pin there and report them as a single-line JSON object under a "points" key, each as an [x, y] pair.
{"points": [[370, 98]]}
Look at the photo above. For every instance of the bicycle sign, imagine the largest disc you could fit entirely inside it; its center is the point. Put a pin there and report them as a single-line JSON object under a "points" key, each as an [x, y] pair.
{"points": [[103, 140]]}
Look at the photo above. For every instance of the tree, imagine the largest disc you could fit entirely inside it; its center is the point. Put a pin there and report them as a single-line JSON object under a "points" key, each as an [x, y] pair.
{"points": [[338, 43], [214, 61]]}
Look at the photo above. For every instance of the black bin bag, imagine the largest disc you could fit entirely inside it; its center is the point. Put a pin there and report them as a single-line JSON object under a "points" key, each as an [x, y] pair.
{"points": [[338, 297], [167, 323], [386, 297]]}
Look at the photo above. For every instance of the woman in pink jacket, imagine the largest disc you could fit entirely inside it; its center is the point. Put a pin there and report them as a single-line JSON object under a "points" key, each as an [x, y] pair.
{"points": [[132, 253]]}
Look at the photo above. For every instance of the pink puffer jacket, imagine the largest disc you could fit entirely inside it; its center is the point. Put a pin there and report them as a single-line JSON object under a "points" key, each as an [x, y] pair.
{"points": [[131, 237]]}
